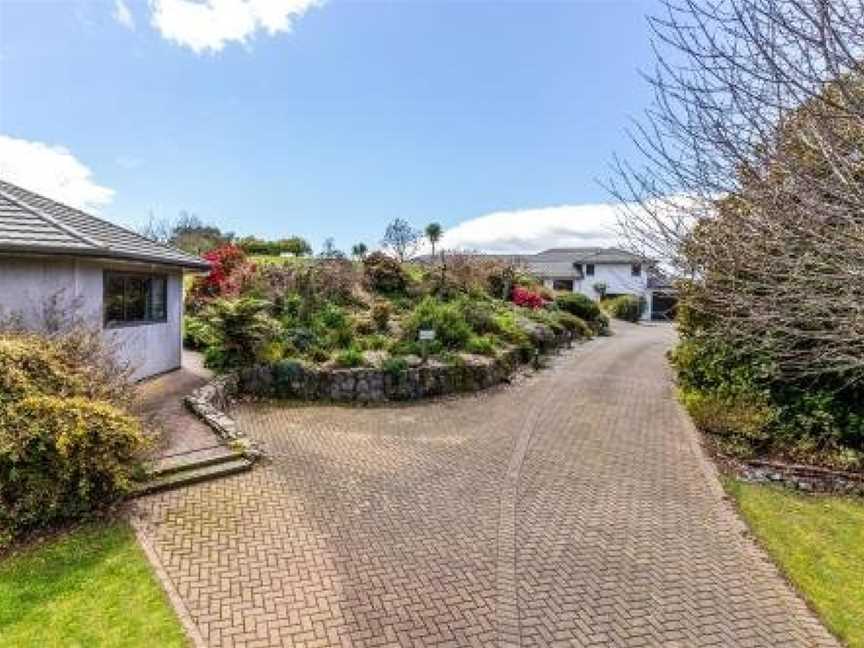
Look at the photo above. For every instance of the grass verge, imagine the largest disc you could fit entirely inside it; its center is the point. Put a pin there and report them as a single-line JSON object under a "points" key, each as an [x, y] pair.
{"points": [[90, 587], [818, 542]]}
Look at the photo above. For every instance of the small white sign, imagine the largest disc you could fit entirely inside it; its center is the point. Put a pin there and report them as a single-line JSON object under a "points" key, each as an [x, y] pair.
{"points": [[427, 334]]}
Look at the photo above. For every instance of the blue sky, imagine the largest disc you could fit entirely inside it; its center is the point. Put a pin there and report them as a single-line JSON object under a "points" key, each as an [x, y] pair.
{"points": [[327, 119]]}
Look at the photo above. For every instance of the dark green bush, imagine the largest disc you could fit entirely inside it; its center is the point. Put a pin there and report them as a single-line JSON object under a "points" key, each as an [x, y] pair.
{"points": [[242, 328], [625, 307], [394, 365], [579, 305], [446, 319], [384, 274]]}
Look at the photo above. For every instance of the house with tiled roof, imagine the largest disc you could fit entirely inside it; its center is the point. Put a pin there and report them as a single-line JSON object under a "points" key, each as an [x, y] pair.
{"points": [[599, 272], [93, 271]]}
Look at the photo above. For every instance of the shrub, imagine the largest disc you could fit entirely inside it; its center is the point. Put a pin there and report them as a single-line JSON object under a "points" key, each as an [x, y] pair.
{"points": [[75, 363], [384, 274], [381, 312], [507, 326], [525, 298], [61, 458], [394, 365], [373, 342], [447, 319], [480, 315], [351, 357], [574, 324], [481, 345], [600, 324], [242, 328], [579, 305], [744, 422], [625, 307], [230, 272], [197, 333]]}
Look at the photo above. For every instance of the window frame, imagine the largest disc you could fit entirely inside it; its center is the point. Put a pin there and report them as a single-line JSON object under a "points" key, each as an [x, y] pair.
{"points": [[570, 281], [636, 269], [150, 277], [589, 269]]}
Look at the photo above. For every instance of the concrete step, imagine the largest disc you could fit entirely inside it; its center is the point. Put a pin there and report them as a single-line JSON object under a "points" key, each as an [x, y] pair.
{"points": [[192, 459], [192, 475]]}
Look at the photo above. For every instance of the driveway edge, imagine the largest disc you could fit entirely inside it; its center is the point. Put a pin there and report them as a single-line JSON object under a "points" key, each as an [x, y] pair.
{"points": [[186, 620]]}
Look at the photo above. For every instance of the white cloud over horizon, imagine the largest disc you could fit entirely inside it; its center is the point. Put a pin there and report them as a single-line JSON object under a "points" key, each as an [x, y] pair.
{"points": [[123, 15], [52, 171], [210, 25], [533, 230]]}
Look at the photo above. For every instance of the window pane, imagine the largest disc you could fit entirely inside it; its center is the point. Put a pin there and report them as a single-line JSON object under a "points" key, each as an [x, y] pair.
{"points": [[157, 298], [137, 293], [589, 269], [114, 299], [563, 284], [637, 269]]}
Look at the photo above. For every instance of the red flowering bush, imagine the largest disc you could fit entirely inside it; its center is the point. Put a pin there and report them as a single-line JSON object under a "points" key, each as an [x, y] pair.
{"points": [[229, 272], [525, 298]]}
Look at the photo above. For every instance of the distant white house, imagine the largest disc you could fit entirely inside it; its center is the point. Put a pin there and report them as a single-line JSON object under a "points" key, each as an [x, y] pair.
{"points": [[597, 272], [120, 281]]}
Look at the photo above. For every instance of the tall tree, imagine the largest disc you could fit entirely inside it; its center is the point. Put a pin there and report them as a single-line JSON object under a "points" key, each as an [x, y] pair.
{"points": [[751, 180], [433, 233], [359, 250], [401, 239], [330, 251]]}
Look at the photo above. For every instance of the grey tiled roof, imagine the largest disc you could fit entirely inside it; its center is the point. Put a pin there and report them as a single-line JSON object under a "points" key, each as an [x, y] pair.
{"points": [[32, 223]]}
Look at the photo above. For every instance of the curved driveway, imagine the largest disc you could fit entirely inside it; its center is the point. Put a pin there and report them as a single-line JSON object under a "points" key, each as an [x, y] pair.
{"points": [[573, 508]]}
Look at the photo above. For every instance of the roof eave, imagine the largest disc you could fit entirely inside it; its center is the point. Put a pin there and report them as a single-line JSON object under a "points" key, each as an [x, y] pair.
{"points": [[104, 254]]}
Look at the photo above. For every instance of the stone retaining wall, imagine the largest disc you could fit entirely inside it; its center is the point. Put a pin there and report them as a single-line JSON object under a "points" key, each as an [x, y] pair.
{"points": [[806, 478], [364, 384]]}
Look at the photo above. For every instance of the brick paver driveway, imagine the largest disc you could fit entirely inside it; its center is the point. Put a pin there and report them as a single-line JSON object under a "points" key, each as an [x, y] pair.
{"points": [[571, 509]]}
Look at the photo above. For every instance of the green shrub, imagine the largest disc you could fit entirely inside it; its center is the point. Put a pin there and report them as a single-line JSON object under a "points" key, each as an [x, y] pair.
{"points": [[446, 319], [241, 327], [480, 315], [284, 372], [545, 317], [394, 365], [62, 458], [574, 324], [384, 274], [197, 333], [744, 422], [625, 307], [481, 345], [579, 305], [375, 342], [351, 357], [507, 326]]}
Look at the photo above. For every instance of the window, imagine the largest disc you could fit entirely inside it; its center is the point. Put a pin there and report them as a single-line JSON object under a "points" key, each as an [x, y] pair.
{"points": [[589, 269], [636, 269], [134, 298], [562, 284]]}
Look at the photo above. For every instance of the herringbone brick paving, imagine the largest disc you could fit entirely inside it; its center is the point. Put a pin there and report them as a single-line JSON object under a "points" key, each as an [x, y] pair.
{"points": [[571, 509]]}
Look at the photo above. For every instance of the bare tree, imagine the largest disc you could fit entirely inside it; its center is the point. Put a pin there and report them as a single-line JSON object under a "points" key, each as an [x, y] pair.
{"points": [[401, 240], [751, 177]]}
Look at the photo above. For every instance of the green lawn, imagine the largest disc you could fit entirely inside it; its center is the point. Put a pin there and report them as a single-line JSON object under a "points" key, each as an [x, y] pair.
{"points": [[91, 587], [818, 541]]}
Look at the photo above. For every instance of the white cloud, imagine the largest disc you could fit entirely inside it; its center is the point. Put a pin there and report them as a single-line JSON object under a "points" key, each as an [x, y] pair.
{"points": [[51, 171], [211, 24], [533, 230], [122, 14]]}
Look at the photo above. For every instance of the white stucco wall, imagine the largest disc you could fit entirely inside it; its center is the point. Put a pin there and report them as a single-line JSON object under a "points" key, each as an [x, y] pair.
{"points": [[618, 280], [26, 284]]}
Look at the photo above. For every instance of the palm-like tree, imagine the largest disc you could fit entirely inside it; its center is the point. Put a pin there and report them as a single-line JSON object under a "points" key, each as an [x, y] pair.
{"points": [[433, 233], [359, 250]]}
